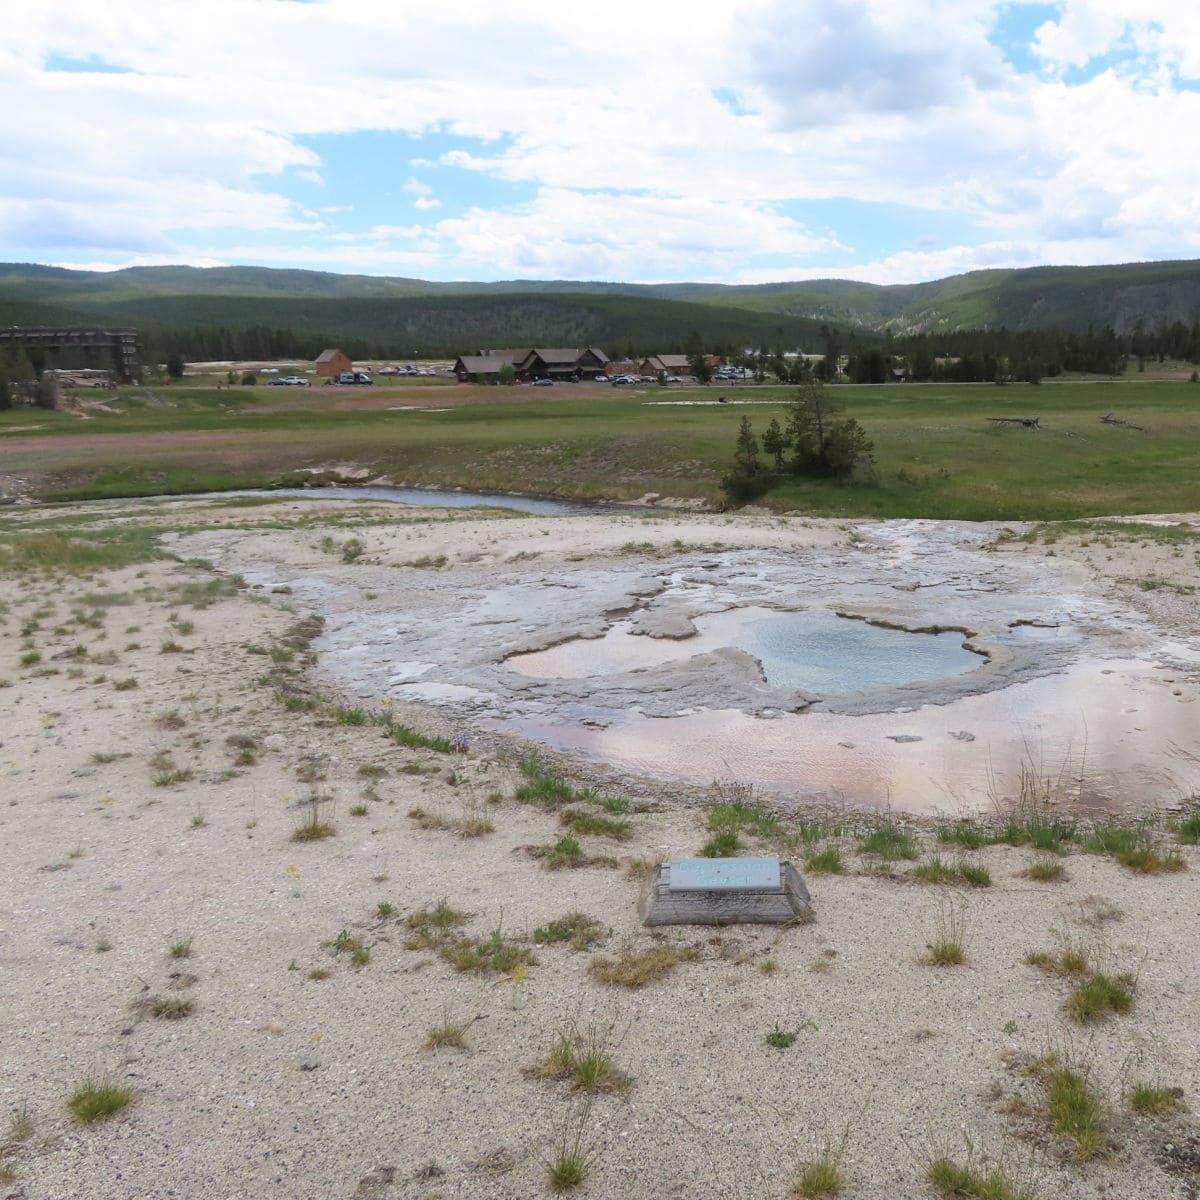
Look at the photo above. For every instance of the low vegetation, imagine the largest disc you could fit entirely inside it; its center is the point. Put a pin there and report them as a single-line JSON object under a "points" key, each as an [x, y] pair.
{"points": [[952, 1179], [635, 968], [582, 1059], [97, 1099]]}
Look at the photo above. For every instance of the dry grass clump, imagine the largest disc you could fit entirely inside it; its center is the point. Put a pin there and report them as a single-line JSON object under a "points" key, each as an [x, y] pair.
{"points": [[449, 1034], [170, 1008], [314, 825], [469, 824], [636, 968]]}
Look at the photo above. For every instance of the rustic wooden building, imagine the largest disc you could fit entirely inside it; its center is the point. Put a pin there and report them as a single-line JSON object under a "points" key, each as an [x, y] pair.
{"points": [[331, 363], [672, 364], [563, 364]]}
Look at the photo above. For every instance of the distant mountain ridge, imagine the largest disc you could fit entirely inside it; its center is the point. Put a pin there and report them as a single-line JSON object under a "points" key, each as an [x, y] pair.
{"points": [[441, 317]]}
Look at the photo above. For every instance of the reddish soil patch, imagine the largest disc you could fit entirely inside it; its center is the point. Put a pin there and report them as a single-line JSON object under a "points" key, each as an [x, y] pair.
{"points": [[129, 441]]}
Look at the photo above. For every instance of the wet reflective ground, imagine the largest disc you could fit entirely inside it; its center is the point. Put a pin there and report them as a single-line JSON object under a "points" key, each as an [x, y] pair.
{"points": [[815, 650], [1112, 734]]}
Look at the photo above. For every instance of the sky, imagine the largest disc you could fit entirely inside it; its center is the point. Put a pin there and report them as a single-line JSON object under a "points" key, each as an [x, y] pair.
{"points": [[746, 141]]}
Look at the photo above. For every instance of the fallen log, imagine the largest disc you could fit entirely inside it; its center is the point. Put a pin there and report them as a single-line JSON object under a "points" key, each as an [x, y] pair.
{"points": [[1109, 419], [1028, 422]]}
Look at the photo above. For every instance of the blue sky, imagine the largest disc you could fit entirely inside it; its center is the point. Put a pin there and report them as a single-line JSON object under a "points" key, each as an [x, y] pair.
{"points": [[886, 140]]}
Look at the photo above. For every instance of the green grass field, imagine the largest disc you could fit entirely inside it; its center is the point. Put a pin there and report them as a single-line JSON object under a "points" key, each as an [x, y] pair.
{"points": [[936, 453]]}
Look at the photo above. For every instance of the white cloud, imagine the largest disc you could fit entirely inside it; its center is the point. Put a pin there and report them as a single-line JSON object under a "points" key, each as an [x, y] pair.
{"points": [[637, 169], [423, 193]]}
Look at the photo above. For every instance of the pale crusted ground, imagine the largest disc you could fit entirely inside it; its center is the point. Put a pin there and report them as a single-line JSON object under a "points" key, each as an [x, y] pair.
{"points": [[103, 870]]}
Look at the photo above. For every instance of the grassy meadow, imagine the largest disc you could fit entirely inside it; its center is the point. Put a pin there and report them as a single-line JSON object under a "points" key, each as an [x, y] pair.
{"points": [[936, 453]]}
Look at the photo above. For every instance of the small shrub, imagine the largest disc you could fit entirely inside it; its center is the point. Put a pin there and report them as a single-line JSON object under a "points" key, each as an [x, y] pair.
{"points": [[319, 973], [358, 810], [1147, 861], [125, 685], [383, 909], [96, 1099], [768, 966]]}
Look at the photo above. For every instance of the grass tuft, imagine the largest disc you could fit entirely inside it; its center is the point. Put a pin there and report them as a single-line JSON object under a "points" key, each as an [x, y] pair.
{"points": [[951, 1180], [448, 1035], [636, 968], [825, 862], [582, 1059], [820, 1178], [171, 1008], [182, 948], [97, 1099], [580, 930], [889, 842], [948, 947], [1152, 1099], [1100, 995]]}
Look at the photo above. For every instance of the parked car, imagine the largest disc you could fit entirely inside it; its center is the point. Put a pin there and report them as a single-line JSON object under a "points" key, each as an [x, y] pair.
{"points": [[543, 383], [360, 377], [292, 381]]}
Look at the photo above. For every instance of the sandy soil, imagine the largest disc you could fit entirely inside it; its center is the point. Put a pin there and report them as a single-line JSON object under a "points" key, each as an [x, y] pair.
{"points": [[283, 1084]]}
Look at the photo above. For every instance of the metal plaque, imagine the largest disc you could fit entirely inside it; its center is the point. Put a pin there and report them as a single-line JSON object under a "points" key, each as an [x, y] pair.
{"points": [[723, 874]]}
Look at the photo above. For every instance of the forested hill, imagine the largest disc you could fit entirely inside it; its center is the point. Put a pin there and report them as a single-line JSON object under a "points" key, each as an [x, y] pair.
{"points": [[251, 311]]}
